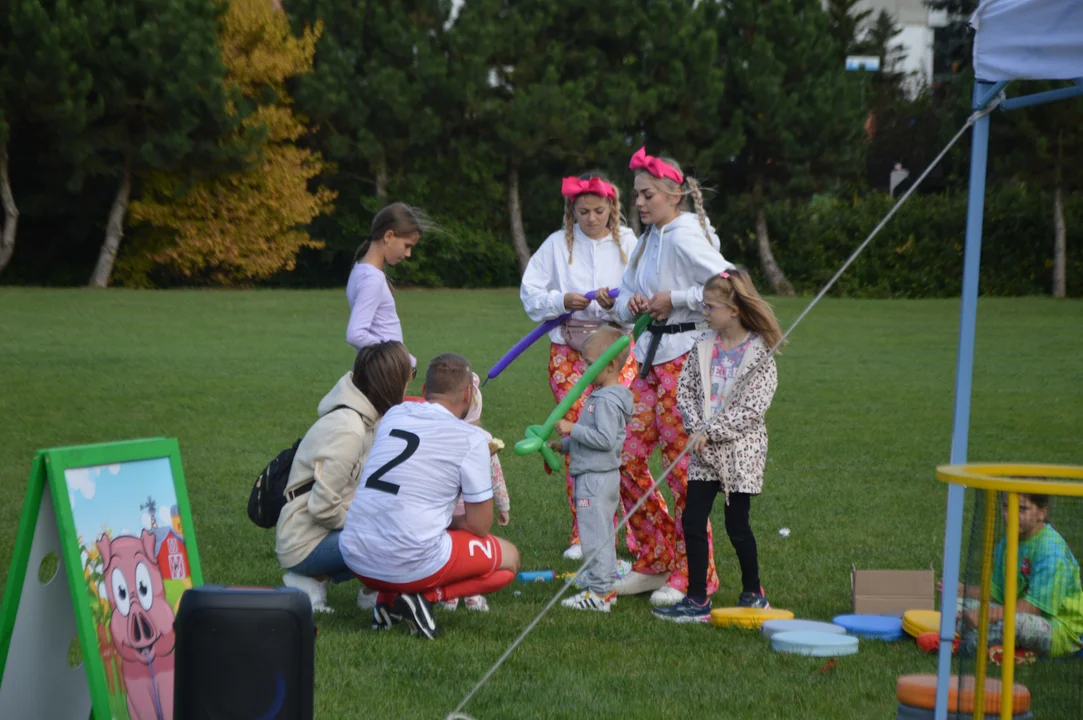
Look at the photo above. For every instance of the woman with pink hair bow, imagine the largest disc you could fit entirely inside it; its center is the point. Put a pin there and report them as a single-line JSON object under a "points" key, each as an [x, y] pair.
{"points": [[675, 256], [589, 253]]}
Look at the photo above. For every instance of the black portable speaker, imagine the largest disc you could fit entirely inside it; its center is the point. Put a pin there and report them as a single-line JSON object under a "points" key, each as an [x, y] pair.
{"points": [[244, 653]]}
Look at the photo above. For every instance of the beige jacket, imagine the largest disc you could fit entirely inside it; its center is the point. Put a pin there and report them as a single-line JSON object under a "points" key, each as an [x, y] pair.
{"points": [[736, 452], [332, 453]]}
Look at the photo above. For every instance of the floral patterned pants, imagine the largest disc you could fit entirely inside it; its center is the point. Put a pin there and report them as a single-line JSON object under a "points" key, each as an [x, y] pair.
{"points": [[658, 423], [565, 368]]}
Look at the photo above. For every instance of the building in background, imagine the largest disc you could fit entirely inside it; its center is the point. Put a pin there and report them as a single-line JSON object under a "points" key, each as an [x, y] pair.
{"points": [[919, 26]]}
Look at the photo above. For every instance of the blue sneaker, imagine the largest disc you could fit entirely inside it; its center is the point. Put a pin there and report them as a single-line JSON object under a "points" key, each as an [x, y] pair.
{"points": [[685, 611]]}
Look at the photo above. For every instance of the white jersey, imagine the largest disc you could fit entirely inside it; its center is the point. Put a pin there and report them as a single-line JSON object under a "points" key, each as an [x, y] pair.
{"points": [[422, 458]]}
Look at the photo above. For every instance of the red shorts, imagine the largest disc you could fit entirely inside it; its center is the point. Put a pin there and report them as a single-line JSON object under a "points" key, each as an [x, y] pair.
{"points": [[471, 557]]}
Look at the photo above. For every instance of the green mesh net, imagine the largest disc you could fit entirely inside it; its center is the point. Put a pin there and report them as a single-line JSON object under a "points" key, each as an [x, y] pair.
{"points": [[1049, 597]]}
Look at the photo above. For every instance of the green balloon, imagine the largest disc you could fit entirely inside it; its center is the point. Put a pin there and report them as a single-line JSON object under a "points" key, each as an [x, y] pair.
{"points": [[528, 445], [536, 435]]}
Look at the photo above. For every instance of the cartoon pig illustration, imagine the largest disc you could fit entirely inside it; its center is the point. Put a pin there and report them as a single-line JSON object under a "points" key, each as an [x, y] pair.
{"points": [[141, 624]]}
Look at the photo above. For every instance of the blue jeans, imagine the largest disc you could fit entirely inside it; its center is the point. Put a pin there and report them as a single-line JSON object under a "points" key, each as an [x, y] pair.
{"points": [[325, 559]]}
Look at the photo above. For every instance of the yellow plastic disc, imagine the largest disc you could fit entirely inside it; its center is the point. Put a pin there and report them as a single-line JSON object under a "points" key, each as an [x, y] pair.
{"points": [[916, 622], [750, 618]]}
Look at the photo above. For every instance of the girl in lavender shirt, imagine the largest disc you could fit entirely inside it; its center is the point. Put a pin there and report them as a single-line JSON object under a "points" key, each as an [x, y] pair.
{"points": [[395, 231]]}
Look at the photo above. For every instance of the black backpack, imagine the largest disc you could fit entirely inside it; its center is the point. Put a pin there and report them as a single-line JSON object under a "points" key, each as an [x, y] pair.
{"points": [[268, 495]]}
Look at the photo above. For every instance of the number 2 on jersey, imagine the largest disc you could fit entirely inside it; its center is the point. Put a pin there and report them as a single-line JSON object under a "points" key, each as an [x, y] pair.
{"points": [[483, 546], [374, 481]]}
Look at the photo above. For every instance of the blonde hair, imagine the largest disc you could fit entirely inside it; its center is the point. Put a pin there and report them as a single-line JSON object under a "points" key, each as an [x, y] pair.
{"points": [[738, 292], [609, 335], [616, 218], [690, 188]]}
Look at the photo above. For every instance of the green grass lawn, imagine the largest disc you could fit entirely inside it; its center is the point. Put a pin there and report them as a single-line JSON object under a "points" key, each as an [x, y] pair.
{"points": [[861, 419]]}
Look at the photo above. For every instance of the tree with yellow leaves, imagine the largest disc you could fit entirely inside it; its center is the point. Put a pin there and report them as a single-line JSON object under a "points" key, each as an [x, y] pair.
{"points": [[248, 224]]}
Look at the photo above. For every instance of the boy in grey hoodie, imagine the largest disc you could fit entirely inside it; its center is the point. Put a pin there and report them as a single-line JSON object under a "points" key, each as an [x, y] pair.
{"points": [[595, 443]]}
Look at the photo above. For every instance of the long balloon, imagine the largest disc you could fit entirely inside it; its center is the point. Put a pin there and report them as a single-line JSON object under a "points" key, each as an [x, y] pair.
{"points": [[533, 336], [536, 435]]}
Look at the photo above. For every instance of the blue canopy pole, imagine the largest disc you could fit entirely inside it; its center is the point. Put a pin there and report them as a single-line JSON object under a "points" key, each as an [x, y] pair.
{"points": [[953, 531]]}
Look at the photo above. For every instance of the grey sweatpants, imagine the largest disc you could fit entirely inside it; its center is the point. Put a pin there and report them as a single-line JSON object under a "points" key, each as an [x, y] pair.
{"points": [[596, 499]]}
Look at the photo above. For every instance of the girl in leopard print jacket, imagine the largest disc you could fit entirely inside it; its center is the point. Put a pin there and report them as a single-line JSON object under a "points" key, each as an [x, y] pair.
{"points": [[730, 455]]}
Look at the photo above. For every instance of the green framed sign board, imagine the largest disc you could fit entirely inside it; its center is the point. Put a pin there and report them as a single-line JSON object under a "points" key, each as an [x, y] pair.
{"points": [[115, 523]]}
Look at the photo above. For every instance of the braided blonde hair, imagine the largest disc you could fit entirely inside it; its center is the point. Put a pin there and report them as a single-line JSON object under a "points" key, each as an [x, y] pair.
{"points": [[615, 223], [690, 188], [569, 226]]}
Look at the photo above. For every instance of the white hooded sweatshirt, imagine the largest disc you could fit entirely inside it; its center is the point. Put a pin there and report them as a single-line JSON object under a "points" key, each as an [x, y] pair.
{"points": [[679, 258], [549, 276]]}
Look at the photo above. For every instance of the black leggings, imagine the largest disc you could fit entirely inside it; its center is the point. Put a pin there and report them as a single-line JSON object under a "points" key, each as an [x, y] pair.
{"points": [[697, 509]]}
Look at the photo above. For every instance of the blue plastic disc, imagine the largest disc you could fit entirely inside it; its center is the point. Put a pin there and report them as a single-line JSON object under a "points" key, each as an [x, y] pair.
{"points": [[773, 627], [874, 627], [816, 644]]}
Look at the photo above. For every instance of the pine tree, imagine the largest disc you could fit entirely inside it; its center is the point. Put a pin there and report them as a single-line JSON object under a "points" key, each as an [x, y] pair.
{"points": [[800, 113], [42, 83], [1041, 146], [530, 90], [848, 27], [157, 68], [881, 41], [379, 94], [249, 224], [683, 105]]}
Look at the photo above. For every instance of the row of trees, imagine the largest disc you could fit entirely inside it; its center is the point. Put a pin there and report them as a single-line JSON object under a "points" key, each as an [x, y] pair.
{"points": [[220, 133]]}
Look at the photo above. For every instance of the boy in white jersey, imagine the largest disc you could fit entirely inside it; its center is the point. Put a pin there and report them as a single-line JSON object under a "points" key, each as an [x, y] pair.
{"points": [[400, 536]]}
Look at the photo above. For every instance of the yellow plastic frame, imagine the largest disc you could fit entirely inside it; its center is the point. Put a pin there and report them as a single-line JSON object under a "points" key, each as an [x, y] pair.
{"points": [[1013, 479]]}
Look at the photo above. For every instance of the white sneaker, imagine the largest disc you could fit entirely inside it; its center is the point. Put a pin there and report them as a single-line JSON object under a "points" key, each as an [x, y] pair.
{"points": [[574, 552], [477, 603], [366, 599], [450, 605], [587, 600], [666, 596], [635, 583], [316, 590]]}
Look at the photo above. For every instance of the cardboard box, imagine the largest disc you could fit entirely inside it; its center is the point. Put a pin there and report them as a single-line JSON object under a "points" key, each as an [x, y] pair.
{"points": [[892, 592]]}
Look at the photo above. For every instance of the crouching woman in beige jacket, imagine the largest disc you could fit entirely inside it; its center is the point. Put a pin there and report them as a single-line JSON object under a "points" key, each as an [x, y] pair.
{"points": [[327, 468]]}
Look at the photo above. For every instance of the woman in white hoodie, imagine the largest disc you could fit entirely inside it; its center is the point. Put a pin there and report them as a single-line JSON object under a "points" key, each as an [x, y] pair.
{"points": [[327, 467], [589, 253], [676, 254]]}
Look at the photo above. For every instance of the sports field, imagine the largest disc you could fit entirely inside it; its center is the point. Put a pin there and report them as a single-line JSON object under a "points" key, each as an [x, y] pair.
{"points": [[861, 418]]}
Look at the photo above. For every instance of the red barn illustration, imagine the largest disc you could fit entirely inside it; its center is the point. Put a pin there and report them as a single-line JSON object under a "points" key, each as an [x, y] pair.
{"points": [[171, 554]]}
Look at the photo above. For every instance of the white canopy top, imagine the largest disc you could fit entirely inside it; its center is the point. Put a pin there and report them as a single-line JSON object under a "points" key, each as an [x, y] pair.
{"points": [[1028, 40]]}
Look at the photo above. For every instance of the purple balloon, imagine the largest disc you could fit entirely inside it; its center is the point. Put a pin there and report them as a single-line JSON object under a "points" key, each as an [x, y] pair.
{"points": [[533, 335]]}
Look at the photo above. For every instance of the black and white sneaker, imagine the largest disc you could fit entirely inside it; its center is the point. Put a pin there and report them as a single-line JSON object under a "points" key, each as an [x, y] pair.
{"points": [[385, 617], [418, 614]]}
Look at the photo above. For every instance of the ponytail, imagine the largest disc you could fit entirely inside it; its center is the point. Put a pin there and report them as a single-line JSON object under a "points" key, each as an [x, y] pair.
{"points": [[362, 249]]}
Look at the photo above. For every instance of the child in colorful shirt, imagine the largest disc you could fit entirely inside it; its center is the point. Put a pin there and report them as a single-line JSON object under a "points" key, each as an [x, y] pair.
{"points": [[1049, 597]]}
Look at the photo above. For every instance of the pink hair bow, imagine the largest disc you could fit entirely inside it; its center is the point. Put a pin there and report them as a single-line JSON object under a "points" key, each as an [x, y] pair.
{"points": [[573, 187], [655, 166]]}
